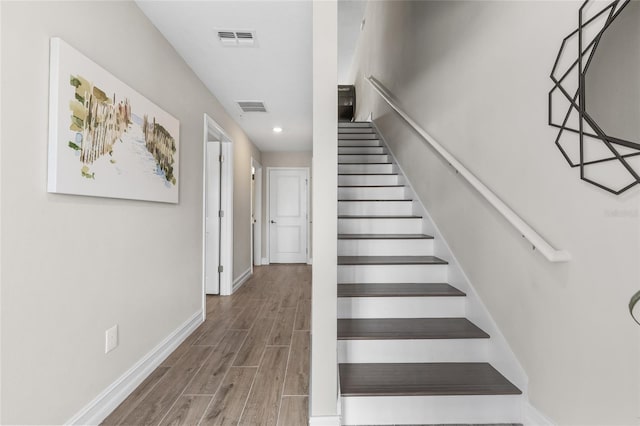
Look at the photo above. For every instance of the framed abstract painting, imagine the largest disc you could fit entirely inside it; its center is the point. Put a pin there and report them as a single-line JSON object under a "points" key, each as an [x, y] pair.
{"points": [[106, 139]]}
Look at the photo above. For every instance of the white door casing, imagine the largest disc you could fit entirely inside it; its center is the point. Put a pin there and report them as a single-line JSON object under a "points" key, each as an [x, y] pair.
{"points": [[212, 218], [222, 166], [256, 207], [288, 215]]}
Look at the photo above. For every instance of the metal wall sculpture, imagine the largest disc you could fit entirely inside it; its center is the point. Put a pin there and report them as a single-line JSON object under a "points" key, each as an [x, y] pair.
{"points": [[581, 140]]}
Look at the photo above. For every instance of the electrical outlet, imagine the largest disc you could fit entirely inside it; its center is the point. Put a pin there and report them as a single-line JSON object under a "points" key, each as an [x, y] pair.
{"points": [[111, 339]]}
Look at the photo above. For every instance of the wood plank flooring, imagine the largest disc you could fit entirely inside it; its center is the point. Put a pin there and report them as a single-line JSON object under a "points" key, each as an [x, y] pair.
{"points": [[247, 364]]}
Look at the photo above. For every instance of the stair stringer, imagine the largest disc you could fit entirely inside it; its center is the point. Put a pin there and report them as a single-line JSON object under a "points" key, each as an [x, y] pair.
{"points": [[499, 352]]}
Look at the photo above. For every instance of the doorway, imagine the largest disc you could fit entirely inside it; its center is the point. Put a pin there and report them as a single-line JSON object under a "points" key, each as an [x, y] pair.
{"points": [[217, 203], [288, 214]]}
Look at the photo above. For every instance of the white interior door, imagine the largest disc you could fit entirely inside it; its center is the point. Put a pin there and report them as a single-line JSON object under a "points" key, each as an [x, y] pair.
{"points": [[212, 223], [288, 215]]}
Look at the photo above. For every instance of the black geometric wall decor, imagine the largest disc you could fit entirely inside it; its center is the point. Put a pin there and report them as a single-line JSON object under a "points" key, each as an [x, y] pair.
{"points": [[582, 142]]}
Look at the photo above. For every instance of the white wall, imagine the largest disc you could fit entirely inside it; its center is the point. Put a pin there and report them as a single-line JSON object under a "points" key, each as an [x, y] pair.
{"points": [[73, 266], [350, 14], [323, 388], [282, 159], [475, 75]]}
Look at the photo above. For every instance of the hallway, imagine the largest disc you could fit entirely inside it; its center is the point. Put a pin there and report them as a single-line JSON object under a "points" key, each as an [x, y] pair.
{"points": [[247, 364]]}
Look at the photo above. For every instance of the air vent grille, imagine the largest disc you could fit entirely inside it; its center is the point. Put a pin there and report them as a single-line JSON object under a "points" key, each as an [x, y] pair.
{"points": [[237, 38], [252, 106]]}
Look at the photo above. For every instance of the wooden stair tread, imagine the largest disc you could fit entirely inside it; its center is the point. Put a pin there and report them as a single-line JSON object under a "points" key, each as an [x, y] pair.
{"points": [[428, 379], [379, 201], [360, 164], [398, 290], [384, 237], [367, 174], [350, 136], [372, 186], [361, 131], [378, 217], [390, 260], [408, 328]]}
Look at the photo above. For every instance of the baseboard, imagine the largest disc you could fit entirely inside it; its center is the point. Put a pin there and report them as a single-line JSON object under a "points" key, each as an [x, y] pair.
{"points": [[107, 401], [324, 421], [237, 283], [533, 417], [310, 261], [265, 261]]}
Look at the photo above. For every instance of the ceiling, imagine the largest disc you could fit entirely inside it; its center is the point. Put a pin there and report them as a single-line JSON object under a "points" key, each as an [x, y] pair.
{"points": [[277, 71]]}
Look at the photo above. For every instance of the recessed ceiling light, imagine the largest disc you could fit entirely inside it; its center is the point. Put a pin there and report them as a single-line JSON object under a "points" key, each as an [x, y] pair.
{"points": [[277, 129]]}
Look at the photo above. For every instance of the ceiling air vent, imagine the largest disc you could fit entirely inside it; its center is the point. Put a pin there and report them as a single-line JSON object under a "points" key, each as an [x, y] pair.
{"points": [[252, 106], [237, 38]]}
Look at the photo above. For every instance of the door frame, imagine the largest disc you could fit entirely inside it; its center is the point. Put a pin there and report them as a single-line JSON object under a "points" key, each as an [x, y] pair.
{"points": [[256, 205], [213, 131], [268, 209]]}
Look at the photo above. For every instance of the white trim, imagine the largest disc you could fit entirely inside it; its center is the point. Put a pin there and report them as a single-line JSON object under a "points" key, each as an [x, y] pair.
{"points": [[204, 217], [1, 399], [310, 261], [211, 128], [107, 401], [324, 421], [256, 204], [267, 219], [237, 283], [268, 212], [539, 243], [533, 417], [226, 227]]}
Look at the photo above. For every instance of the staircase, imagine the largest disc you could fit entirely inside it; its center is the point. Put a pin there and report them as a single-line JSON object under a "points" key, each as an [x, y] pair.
{"points": [[407, 353]]}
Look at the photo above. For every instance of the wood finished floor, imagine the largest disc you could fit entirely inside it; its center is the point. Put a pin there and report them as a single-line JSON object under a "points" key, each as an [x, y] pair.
{"points": [[247, 364]]}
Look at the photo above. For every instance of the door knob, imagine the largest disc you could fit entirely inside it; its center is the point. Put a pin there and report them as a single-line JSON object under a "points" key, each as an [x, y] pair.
{"points": [[273, 221]]}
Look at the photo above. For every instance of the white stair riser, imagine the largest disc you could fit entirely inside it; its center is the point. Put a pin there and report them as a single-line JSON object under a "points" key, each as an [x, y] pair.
{"points": [[356, 130], [401, 307], [359, 142], [365, 208], [359, 159], [352, 136], [404, 351], [372, 193], [393, 410], [342, 124], [380, 226], [360, 150], [395, 247], [392, 273], [365, 168], [368, 180]]}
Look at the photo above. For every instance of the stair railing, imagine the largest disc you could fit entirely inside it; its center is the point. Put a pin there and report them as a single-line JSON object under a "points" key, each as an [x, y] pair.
{"points": [[539, 243]]}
